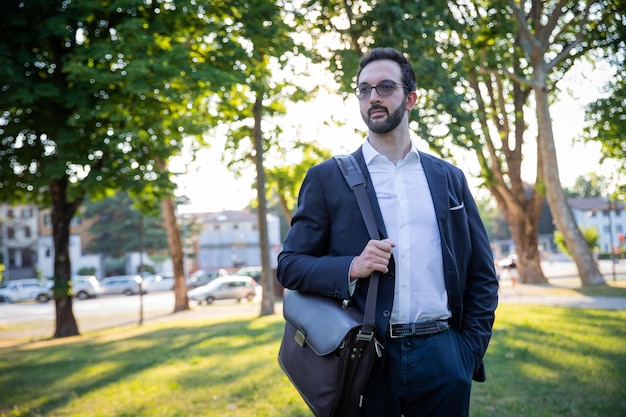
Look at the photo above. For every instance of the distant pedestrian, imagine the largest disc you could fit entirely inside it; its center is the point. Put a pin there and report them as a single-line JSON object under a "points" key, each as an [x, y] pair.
{"points": [[513, 273]]}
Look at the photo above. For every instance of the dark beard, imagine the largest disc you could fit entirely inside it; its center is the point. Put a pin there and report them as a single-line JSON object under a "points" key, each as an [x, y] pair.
{"points": [[390, 123]]}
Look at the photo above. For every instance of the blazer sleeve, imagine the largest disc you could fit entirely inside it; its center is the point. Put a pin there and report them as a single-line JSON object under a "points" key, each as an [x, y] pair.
{"points": [[325, 235]]}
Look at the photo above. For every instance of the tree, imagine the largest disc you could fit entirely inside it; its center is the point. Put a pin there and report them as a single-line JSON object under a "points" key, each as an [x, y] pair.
{"points": [[284, 180], [590, 234], [463, 104], [91, 101], [116, 225], [266, 28], [590, 186], [606, 123], [552, 37], [477, 70]]}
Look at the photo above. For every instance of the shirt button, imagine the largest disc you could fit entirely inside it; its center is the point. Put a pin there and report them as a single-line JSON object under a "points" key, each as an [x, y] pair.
{"points": [[386, 313]]}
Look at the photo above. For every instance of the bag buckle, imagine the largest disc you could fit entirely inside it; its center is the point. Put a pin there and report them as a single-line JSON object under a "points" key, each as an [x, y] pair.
{"points": [[300, 337], [364, 337]]}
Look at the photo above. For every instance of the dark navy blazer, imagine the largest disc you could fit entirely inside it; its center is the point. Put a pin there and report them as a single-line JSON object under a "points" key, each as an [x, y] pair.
{"points": [[328, 232]]}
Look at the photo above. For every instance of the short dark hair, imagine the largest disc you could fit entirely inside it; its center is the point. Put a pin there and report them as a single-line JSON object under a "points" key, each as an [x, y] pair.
{"points": [[408, 75]]}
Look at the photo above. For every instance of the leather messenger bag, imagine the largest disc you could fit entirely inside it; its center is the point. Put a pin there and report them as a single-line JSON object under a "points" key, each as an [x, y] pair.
{"points": [[328, 348]]}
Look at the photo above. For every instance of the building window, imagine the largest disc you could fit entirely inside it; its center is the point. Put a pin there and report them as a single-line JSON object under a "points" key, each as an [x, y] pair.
{"points": [[27, 213], [26, 231], [10, 233], [47, 220], [10, 214]]}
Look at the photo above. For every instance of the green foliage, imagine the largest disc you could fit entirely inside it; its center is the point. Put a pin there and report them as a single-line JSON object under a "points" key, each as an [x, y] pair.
{"points": [[114, 266], [606, 124], [87, 270], [591, 186], [91, 95], [285, 180], [590, 234], [146, 269], [118, 225]]}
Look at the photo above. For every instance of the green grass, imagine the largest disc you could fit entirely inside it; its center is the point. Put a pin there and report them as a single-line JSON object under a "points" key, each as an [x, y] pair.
{"points": [[543, 361]]}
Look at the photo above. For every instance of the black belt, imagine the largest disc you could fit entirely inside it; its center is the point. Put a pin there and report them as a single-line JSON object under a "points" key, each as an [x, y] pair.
{"points": [[420, 328]]}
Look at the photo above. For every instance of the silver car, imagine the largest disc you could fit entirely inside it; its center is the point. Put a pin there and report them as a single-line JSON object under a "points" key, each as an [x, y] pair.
{"points": [[225, 288], [121, 284], [25, 289]]}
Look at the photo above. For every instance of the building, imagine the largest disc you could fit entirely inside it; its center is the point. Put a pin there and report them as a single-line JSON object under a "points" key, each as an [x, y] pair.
{"points": [[79, 237], [20, 232], [230, 239], [606, 216]]}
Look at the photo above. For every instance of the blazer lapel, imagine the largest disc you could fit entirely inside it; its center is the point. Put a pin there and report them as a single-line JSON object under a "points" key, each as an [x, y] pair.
{"points": [[438, 184]]}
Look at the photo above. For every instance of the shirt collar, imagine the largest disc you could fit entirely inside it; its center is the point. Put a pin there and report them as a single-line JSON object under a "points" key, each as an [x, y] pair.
{"points": [[369, 153]]}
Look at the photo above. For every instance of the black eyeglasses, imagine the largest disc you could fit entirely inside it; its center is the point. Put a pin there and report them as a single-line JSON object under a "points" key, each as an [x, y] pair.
{"points": [[384, 88]]}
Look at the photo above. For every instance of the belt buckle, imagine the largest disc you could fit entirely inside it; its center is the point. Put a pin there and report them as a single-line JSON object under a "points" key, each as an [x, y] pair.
{"points": [[398, 336]]}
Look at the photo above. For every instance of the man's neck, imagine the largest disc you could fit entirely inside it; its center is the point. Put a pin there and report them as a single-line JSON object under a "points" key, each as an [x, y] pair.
{"points": [[394, 145]]}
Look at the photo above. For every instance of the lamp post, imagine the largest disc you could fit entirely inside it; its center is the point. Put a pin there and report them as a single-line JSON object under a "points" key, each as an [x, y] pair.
{"points": [[611, 205], [5, 243], [141, 268]]}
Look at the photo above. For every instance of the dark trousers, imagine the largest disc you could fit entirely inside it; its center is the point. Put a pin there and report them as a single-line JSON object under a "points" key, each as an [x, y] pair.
{"points": [[423, 376]]}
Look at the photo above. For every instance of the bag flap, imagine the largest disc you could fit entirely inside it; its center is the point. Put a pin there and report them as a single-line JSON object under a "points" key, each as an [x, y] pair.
{"points": [[323, 320]]}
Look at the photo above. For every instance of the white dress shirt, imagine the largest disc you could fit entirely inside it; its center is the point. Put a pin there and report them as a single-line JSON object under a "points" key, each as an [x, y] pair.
{"points": [[409, 214]]}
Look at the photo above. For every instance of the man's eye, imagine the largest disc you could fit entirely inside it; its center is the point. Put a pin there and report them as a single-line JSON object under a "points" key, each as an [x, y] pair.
{"points": [[386, 86]]}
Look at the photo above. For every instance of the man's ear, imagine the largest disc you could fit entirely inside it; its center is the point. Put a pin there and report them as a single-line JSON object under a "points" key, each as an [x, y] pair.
{"points": [[411, 99]]}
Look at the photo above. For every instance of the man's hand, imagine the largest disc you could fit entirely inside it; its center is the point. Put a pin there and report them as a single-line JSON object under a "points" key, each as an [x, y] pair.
{"points": [[375, 257]]}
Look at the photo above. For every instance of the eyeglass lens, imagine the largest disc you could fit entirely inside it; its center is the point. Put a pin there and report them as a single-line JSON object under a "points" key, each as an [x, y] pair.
{"points": [[383, 88]]}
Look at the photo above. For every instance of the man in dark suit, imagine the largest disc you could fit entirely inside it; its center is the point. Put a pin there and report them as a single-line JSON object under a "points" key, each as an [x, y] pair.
{"points": [[438, 288]]}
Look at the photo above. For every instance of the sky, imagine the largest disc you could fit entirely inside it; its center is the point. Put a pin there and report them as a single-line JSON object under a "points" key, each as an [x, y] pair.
{"points": [[211, 187]]}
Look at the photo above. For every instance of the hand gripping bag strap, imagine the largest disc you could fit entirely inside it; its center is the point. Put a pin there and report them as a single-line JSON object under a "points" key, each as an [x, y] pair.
{"points": [[354, 177]]}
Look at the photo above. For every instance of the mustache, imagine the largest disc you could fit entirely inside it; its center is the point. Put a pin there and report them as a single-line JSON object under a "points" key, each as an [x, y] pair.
{"points": [[377, 107]]}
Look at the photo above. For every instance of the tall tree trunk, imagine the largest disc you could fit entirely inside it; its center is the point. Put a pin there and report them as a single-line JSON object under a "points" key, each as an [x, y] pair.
{"points": [[587, 268], [524, 225], [181, 301], [61, 215], [267, 278]]}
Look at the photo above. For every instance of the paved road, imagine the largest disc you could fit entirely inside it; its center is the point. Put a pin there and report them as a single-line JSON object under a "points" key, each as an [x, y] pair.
{"points": [[33, 321]]}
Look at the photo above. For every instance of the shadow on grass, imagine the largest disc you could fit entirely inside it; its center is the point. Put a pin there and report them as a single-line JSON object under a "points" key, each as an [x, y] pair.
{"points": [[552, 361], [56, 374], [542, 362]]}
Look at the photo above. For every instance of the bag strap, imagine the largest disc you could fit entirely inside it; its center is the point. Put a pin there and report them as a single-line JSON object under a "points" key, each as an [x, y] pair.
{"points": [[354, 177]]}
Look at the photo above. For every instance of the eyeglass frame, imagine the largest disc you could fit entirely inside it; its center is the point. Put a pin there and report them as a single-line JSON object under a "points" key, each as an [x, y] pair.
{"points": [[374, 87]]}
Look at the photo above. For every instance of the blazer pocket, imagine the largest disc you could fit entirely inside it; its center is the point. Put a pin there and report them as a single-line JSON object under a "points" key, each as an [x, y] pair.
{"points": [[459, 207]]}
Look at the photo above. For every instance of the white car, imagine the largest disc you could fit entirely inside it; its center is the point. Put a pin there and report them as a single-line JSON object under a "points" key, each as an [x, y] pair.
{"points": [[25, 289], [122, 284], [159, 282], [85, 286], [224, 288]]}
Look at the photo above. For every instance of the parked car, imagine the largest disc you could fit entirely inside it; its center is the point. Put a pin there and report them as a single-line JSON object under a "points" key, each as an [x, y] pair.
{"points": [[85, 286], [201, 277], [25, 289], [225, 288], [250, 271], [121, 284], [159, 282]]}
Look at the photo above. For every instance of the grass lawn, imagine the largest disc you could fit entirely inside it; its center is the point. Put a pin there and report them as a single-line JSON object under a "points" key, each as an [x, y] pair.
{"points": [[543, 361]]}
